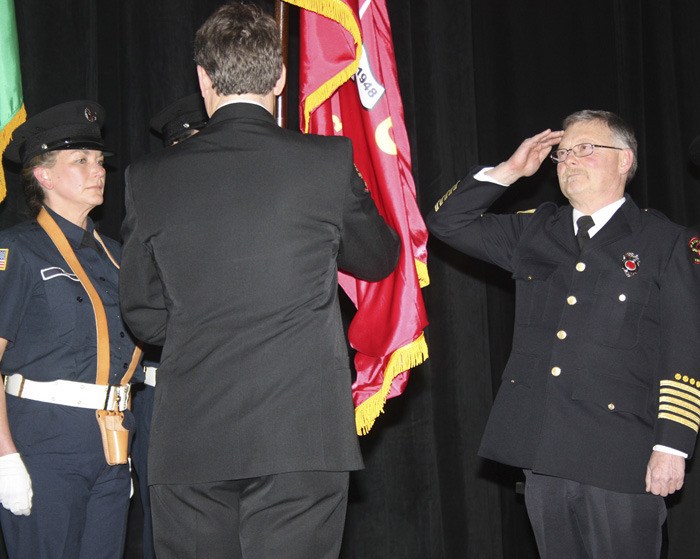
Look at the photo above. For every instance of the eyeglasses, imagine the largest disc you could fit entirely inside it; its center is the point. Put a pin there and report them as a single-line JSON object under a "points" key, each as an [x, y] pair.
{"points": [[579, 150]]}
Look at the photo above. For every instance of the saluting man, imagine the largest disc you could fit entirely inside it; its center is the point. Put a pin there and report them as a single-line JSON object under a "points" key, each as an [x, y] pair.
{"points": [[600, 399]]}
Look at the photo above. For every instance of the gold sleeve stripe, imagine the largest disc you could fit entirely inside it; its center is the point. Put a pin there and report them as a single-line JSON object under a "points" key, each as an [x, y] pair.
{"points": [[680, 411], [447, 194], [680, 394], [680, 420], [531, 211], [672, 383], [681, 403]]}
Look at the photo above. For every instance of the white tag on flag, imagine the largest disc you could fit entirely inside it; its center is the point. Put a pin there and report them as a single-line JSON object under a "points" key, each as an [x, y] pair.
{"points": [[371, 91]]}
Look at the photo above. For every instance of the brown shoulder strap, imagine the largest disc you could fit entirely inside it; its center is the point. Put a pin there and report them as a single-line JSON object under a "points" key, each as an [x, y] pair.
{"points": [[59, 239]]}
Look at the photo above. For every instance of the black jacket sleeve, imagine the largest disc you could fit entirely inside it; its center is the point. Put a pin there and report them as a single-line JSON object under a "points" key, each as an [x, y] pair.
{"points": [[369, 248], [140, 289]]}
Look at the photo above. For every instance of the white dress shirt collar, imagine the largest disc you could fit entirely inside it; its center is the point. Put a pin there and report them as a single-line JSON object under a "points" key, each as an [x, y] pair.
{"points": [[600, 218]]}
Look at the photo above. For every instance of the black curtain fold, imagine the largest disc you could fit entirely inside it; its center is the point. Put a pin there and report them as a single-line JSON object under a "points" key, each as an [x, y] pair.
{"points": [[476, 78]]}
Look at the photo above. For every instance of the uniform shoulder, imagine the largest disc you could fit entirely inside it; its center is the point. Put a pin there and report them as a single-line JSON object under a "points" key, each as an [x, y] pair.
{"points": [[651, 213], [545, 209], [658, 219], [19, 232]]}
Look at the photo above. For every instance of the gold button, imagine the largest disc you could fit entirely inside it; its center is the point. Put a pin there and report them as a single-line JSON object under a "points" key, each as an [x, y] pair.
{"points": [[580, 267], [571, 300], [611, 406], [561, 334], [556, 371], [512, 381], [685, 378], [622, 297], [529, 278]]}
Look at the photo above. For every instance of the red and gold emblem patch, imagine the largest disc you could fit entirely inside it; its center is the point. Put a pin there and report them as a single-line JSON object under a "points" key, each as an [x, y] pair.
{"points": [[694, 246], [630, 264]]}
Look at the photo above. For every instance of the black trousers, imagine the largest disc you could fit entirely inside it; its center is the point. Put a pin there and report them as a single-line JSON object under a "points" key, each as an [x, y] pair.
{"points": [[142, 406], [80, 504], [296, 515], [576, 521]]}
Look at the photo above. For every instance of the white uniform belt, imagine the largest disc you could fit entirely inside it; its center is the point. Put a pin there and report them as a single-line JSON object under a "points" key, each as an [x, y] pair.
{"points": [[69, 393], [150, 375]]}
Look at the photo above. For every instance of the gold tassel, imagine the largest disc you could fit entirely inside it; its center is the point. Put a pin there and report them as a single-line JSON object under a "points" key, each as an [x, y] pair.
{"points": [[342, 14], [5, 137], [401, 360]]}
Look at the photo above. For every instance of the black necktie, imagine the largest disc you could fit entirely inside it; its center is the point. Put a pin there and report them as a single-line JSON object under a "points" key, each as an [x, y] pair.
{"points": [[585, 222]]}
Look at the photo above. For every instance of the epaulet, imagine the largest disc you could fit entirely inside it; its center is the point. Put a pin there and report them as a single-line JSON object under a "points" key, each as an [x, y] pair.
{"points": [[655, 213], [551, 206]]}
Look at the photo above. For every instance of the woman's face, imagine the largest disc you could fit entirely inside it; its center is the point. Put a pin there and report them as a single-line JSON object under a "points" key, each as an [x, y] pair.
{"points": [[76, 180]]}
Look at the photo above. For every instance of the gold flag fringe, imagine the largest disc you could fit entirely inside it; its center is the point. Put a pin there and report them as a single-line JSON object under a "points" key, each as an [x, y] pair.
{"points": [[340, 12], [422, 271], [401, 360], [415, 353], [5, 137]]}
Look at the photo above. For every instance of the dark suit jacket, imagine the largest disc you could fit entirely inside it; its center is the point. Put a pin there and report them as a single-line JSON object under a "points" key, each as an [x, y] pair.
{"points": [[232, 241], [604, 363]]}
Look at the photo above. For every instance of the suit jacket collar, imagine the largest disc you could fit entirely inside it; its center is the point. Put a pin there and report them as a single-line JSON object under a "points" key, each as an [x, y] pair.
{"points": [[241, 111]]}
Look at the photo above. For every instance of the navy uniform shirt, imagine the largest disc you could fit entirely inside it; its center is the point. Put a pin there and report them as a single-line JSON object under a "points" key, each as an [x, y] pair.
{"points": [[46, 314]]}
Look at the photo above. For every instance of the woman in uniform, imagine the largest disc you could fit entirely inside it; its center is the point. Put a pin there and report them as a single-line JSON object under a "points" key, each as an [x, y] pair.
{"points": [[65, 354]]}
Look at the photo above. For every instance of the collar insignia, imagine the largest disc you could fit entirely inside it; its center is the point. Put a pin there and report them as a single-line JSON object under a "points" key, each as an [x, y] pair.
{"points": [[630, 263]]}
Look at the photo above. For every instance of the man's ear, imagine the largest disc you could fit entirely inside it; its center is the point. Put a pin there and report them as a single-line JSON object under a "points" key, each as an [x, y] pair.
{"points": [[206, 87], [281, 82], [204, 80], [626, 160]]}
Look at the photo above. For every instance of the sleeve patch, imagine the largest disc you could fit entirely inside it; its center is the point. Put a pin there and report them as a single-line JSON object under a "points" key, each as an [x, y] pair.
{"points": [[447, 194], [679, 401], [694, 246], [4, 253]]}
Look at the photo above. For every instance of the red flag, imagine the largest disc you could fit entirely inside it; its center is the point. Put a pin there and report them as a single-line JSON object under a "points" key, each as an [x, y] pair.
{"points": [[341, 40]]}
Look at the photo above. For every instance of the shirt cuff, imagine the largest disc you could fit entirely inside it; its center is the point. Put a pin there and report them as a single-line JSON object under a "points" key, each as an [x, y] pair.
{"points": [[669, 450], [483, 177]]}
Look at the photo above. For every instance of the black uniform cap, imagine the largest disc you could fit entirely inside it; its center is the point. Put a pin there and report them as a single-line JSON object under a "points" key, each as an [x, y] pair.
{"points": [[176, 121], [71, 125], [695, 151]]}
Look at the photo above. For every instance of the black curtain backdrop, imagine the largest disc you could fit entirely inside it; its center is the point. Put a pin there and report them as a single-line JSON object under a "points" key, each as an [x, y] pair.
{"points": [[477, 76]]}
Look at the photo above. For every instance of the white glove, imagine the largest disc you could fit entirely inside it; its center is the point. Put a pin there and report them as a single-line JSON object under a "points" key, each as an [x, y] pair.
{"points": [[15, 485]]}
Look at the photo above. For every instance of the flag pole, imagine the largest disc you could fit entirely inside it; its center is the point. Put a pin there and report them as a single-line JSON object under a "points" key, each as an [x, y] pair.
{"points": [[282, 19]]}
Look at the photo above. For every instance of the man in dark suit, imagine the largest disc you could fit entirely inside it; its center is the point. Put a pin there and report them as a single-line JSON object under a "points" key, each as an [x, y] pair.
{"points": [[232, 242], [175, 123], [600, 399]]}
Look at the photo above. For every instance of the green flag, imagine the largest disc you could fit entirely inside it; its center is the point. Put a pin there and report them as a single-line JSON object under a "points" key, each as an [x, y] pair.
{"points": [[12, 112]]}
